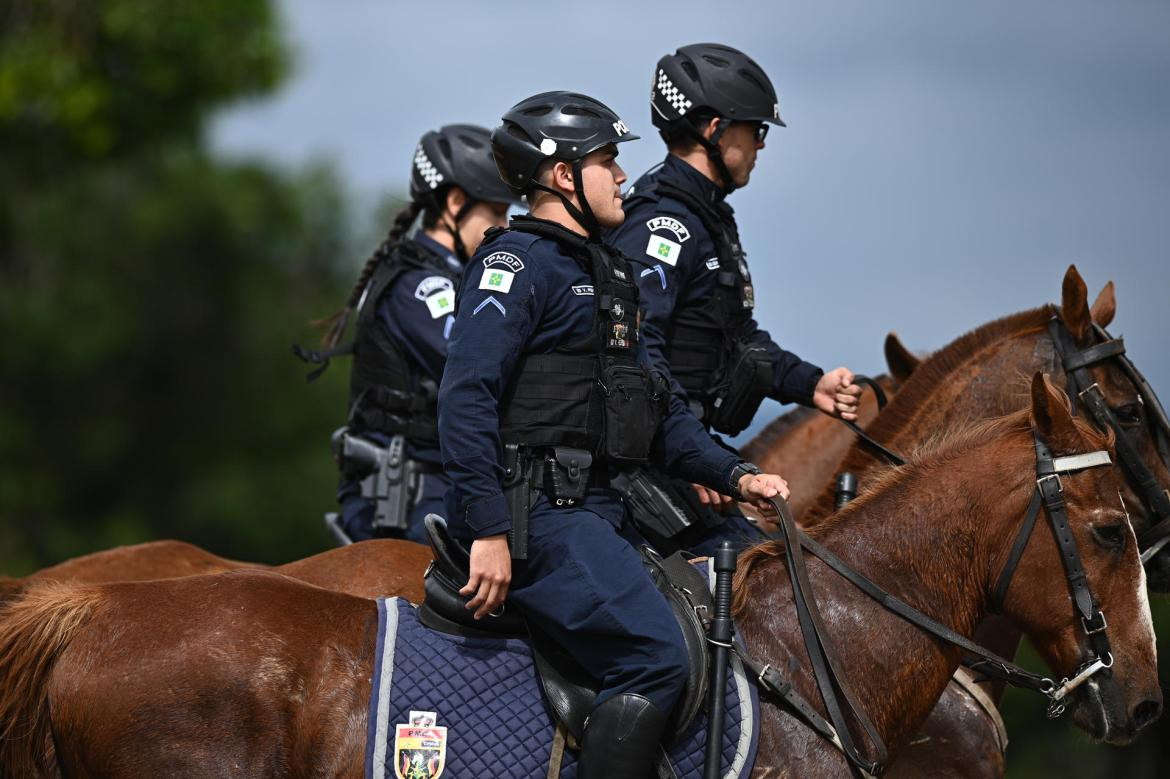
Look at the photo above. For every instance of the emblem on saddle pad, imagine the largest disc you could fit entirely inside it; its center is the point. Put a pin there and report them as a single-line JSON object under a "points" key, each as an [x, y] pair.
{"points": [[420, 747]]}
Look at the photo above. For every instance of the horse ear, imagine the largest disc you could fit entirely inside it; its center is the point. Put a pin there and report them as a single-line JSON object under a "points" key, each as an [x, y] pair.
{"points": [[1074, 306], [900, 360], [1052, 416], [1105, 306]]}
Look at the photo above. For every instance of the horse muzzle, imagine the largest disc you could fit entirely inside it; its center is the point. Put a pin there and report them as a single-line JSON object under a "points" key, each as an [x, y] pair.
{"points": [[1101, 710]]}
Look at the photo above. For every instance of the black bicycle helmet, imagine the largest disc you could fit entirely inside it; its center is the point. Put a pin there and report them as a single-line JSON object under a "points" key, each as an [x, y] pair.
{"points": [[459, 155], [555, 125], [706, 79]]}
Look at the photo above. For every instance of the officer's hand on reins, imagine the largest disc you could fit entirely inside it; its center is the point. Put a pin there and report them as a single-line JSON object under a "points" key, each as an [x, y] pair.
{"points": [[837, 395], [758, 488], [710, 497], [491, 572]]}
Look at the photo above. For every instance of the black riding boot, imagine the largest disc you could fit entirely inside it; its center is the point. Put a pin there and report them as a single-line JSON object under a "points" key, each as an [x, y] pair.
{"points": [[621, 738]]}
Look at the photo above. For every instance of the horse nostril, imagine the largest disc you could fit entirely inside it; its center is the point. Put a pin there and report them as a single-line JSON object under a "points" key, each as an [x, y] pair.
{"points": [[1146, 712]]}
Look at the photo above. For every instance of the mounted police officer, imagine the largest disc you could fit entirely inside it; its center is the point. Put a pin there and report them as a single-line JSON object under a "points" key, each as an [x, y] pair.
{"points": [[405, 303], [713, 106], [546, 395]]}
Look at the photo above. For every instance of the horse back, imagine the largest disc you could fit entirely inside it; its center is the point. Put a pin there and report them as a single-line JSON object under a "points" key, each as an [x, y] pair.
{"points": [[222, 674]]}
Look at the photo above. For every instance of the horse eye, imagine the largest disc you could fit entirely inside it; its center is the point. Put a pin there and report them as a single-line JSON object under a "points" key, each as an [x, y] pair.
{"points": [[1110, 535], [1130, 414]]}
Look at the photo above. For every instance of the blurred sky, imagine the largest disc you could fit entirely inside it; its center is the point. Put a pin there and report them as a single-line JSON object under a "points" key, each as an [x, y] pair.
{"points": [[943, 164]]}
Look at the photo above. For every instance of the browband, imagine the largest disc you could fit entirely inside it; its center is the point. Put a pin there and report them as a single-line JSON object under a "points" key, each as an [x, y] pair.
{"points": [[1079, 462]]}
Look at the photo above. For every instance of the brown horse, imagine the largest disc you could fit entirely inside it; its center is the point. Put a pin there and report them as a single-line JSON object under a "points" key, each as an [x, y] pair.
{"points": [[978, 376], [251, 673], [371, 569]]}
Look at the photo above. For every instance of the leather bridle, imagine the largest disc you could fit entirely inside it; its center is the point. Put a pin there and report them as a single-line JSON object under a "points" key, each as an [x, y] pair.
{"points": [[1084, 390], [1049, 495]]}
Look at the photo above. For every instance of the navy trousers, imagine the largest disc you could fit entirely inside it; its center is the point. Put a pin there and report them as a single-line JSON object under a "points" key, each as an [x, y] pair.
{"points": [[584, 584]]}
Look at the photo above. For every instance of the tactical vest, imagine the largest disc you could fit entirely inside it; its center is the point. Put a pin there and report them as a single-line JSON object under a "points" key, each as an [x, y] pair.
{"points": [[386, 392], [592, 394], [706, 343]]}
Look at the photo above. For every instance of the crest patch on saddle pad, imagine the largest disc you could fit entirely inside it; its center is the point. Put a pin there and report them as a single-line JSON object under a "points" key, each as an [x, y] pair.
{"points": [[420, 747], [504, 260], [673, 225], [663, 249]]}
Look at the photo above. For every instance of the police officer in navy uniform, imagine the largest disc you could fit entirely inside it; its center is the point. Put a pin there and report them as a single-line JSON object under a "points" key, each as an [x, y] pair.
{"points": [[547, 394], [405, 302], [713, 106]]}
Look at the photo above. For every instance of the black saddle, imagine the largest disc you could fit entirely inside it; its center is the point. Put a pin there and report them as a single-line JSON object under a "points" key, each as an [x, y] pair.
{"points": [[569, 688]]}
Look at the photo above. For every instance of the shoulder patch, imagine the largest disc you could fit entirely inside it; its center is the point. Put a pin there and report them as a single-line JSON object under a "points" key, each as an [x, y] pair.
{"points": [[673, 225], [713, 263], [583, 289], [503, 260], [430, 285], [438, 292], [663, 249], [497, 280]]}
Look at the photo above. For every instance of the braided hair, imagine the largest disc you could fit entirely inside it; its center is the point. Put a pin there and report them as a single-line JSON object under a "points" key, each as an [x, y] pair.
{"points": [[337, 322]]}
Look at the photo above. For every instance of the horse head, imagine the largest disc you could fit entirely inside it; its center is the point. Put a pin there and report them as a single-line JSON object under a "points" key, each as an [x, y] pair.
{"points": [[1132, 412], [1116, 697]]}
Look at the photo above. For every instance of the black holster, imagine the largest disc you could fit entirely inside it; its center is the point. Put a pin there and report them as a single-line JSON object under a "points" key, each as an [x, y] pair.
{"points": [[386, 477], [565, 475], [651, 503], [518, 494]]}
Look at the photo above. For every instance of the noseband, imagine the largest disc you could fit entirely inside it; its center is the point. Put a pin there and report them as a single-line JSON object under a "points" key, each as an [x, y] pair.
{"points": [[835, 692], [1081, 388]]}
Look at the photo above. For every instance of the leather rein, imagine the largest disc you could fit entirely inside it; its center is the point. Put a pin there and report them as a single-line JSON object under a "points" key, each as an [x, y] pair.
{"points": [[835, 691]]}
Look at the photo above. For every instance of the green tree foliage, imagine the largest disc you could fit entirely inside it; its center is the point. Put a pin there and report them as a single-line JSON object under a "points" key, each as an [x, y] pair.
{"points": [[149, 292]]}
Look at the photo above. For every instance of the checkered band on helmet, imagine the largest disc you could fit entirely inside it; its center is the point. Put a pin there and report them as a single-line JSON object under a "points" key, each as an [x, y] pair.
{"points": [[665, 87], [426, 169]]}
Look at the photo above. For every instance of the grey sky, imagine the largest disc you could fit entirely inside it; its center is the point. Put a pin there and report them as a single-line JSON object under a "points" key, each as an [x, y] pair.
{"points": [[944, 162]]}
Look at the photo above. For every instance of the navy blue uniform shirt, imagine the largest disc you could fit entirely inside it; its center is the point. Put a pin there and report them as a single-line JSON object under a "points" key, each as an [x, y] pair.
{"points": [[522, 295], [674, 259]]}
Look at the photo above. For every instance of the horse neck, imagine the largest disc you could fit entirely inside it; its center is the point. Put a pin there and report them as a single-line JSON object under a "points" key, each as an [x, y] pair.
{"points": [[988, 383], [923, 537]]}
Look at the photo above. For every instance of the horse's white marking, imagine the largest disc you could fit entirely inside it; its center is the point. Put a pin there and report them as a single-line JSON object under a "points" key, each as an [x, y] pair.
{"points": [[1147, 621]]}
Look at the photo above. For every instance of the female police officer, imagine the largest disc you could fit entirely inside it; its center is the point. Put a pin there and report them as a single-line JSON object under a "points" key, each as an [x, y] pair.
{"points": [[545, 390], [405, 297]]}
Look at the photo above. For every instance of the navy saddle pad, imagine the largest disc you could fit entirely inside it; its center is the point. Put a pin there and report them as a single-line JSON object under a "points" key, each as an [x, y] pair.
{"points": [[472, 707]]}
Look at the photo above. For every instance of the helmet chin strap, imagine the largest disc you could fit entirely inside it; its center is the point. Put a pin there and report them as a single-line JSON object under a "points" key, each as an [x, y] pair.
{"points": [[460, 248], [584, 215], [713, 153]]}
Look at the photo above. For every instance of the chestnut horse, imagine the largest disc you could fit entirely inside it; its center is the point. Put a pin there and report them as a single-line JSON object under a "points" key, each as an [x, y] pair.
{"points": [[252, 673], [371, 569]]}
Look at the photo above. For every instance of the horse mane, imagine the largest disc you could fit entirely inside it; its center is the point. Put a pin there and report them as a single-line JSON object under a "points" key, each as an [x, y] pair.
{"points": [[940, 449], [939, 366], [774, 431], [34, 629]]}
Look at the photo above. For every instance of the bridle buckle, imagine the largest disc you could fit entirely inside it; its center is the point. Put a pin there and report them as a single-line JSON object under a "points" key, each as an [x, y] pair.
{"points": [[1091, 631], [1042, 479]]}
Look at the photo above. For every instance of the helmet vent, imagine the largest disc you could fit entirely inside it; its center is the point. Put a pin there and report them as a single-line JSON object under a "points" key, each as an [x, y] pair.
{"points": [[445, 147], [539, 110], [749, 76], [474, 143], [690, 69], [574, 110], [718, 62], [516, 131]]}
